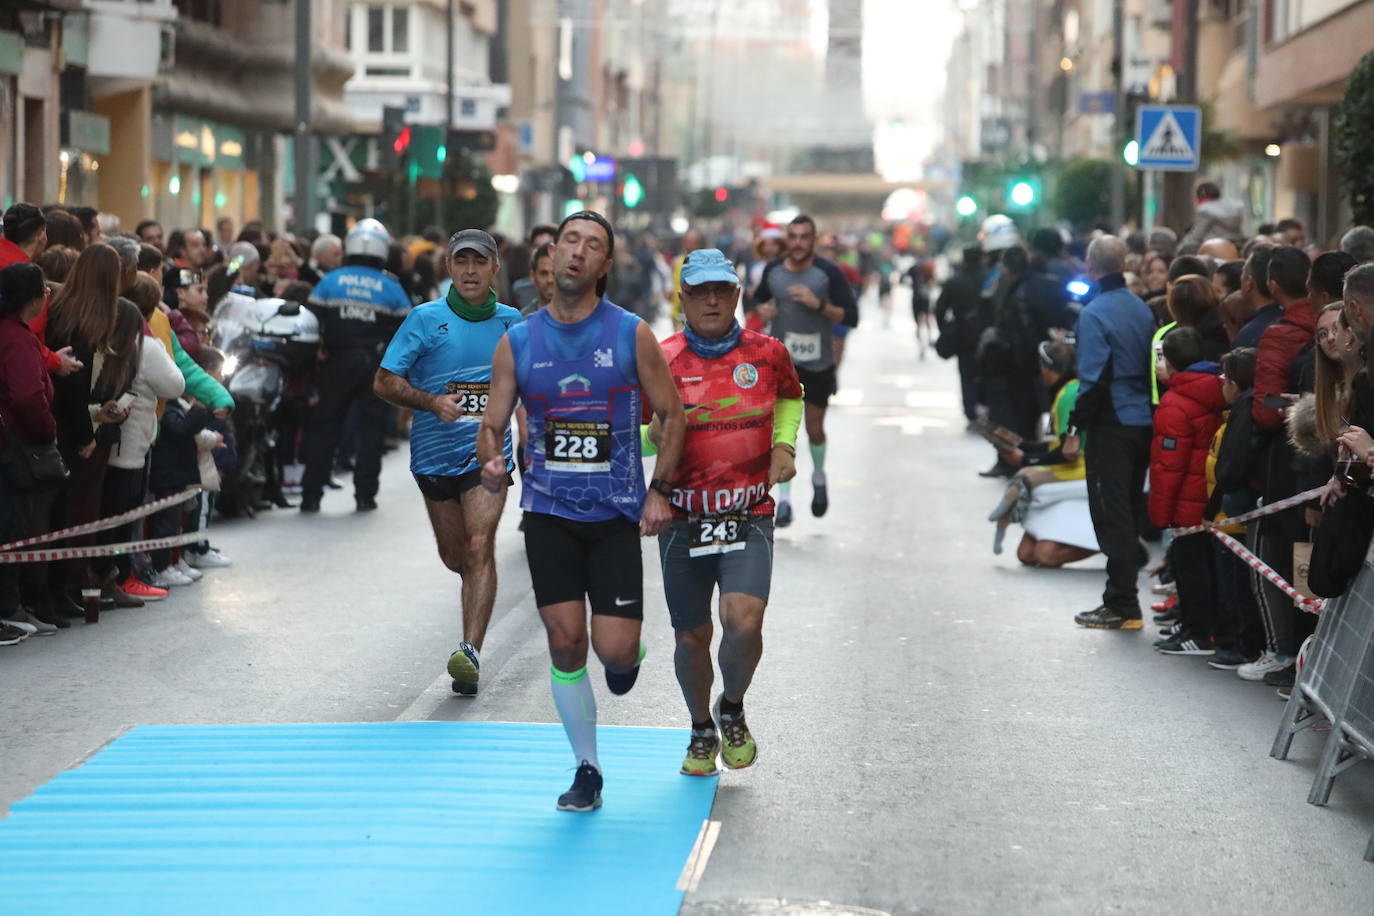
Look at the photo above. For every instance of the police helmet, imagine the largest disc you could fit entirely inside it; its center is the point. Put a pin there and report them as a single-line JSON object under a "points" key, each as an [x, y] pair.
{"points": [[368, 238]]}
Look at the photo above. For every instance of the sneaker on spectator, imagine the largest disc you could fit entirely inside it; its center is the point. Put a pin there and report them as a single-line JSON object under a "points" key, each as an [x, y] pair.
{"points": [[28, 628], [1182, 643], [1229, 660], [1170, 630], [169, 577], [1269, 661], [1282, 677], [139, 589], [187, 570], [10, 635], [1166, 606], [210, 559], [40, 628]]}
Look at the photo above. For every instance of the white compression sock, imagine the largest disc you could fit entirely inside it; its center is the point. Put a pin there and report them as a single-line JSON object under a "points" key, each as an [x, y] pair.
{"points": [[572, 694]]}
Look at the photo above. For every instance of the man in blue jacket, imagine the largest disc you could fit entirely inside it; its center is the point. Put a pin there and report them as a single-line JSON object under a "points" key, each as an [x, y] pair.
{"points": [[1111, 424]]}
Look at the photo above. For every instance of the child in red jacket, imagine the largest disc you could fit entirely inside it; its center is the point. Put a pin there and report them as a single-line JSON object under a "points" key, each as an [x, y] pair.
{"points": [[1188, 417]]}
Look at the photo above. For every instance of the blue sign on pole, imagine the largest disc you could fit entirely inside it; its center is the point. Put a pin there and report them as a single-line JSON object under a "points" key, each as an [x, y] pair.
{"points": [[601, 169], [1170, 137]]}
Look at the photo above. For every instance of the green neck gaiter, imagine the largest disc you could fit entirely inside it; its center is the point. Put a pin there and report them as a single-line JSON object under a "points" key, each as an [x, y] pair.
{"points": [[464, 309]]}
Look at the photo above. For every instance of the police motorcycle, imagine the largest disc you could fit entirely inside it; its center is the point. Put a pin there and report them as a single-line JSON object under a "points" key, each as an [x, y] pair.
{"points": [[268, 344]]}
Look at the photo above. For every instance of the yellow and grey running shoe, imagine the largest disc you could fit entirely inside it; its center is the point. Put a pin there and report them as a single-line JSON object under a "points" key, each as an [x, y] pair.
{"points": [[463, 667], [738, 749], [701, 754]]}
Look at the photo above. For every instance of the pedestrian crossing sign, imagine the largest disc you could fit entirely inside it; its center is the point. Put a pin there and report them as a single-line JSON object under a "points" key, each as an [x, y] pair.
{"points": [[1170, 137]]}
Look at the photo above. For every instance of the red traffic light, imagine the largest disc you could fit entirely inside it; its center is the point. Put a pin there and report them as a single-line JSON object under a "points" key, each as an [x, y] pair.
{"points": [[402, 142], [722, 195]]}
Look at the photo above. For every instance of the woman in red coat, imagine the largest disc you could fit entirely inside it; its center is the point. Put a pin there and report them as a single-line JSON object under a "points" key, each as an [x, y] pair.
{"points": [[1188, 417], [26, 409]]}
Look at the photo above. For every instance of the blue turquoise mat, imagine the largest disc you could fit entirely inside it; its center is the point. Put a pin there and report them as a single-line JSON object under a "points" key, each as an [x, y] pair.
{"points": [[415, 818]]}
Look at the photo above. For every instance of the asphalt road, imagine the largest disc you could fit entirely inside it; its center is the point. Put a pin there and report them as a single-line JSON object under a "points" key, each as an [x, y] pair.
{"points": [[936, 735]]}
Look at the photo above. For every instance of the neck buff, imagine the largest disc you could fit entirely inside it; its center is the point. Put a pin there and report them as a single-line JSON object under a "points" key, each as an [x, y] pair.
{"points": [[711, 349], [466, 310]]}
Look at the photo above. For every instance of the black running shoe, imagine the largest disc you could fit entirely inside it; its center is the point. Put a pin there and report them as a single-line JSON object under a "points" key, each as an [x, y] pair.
{"points": [[783, 517], [620, 682], [820, 500], [1283, 677], [585, 794], [310, 505], [365, 503]]}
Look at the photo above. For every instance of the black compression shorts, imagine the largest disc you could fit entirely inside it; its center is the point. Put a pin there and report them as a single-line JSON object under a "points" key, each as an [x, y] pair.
{"points": [[817, 386], [599, 561]]}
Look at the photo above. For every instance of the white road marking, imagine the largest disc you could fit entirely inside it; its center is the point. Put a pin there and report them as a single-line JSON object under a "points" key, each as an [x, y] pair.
{"points": [[700, 854], [912, 425]]}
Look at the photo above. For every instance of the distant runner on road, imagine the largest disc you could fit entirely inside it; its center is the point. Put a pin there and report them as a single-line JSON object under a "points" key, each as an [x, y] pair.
{"points": [[812, 295]]}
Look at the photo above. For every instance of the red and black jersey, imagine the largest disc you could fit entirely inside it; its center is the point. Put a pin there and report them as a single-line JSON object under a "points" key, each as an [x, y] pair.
{"points": [[729, 402]]}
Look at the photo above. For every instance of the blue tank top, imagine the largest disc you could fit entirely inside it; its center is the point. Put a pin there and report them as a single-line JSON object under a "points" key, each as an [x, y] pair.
{"points": [[580, 387]]}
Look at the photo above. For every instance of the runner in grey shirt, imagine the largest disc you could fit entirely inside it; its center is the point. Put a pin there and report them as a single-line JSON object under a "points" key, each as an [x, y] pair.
{"points": [[804, 296]]}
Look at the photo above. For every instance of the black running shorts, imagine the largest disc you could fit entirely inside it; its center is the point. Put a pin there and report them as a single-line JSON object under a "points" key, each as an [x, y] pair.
{"points": [[599, 561], [818, 386], [438, 488]]}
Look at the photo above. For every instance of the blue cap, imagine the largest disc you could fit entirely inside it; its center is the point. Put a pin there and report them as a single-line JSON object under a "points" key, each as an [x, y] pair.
{"points": [[708, 265]]}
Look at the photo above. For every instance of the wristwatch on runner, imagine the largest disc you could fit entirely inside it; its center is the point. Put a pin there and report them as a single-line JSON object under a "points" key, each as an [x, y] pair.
{"points": [[662, 486]]}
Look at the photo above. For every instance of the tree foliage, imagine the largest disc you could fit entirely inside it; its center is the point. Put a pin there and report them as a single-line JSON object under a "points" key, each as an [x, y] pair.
{"points": [[1354, 139], [1082, 195]]}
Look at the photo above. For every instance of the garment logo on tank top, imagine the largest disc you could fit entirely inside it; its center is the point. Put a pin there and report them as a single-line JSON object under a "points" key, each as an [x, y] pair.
{"points": [[574, 385], [603, 358], [746, 376]]}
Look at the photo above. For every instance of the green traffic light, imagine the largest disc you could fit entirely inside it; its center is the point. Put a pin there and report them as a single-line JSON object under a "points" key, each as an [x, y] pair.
{"points": [[441, 153], [966, 206], [1022, 194], [633, 192]]}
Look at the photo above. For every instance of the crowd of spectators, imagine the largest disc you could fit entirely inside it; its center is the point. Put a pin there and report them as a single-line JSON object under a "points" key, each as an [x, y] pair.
{"points": [[1196, 382]]}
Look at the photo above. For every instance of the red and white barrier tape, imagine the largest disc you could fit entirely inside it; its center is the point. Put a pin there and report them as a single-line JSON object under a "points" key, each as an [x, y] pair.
{"points": [[99, 550], [104, 524], [1296, 500], [1311, 605]]}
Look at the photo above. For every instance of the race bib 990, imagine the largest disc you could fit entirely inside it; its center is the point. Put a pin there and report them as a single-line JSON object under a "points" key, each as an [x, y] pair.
{"points": [[577, 445], [712, 534], [803, 347], [473, 399]]}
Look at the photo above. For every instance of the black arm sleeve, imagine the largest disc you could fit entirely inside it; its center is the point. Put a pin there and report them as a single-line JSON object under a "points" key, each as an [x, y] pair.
{"points": [[764, 293], [841, 293]]}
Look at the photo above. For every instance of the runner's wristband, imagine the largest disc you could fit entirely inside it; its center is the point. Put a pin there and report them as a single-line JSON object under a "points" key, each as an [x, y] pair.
{"points": [[787, 417], [662, 486]]}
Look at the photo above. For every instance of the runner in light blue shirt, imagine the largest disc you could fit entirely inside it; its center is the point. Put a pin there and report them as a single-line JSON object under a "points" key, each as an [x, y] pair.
{"points": [[439, 365]]}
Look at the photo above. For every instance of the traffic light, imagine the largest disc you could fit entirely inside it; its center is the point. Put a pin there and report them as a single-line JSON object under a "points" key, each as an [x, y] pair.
{"points": [[632, 192], [722, 195], [966, 206], [1130, 153], [1022, 192], [395, 138]]}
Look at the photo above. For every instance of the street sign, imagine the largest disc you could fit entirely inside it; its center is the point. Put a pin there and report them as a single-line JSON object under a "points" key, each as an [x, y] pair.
{"points": [[1170, 137]]}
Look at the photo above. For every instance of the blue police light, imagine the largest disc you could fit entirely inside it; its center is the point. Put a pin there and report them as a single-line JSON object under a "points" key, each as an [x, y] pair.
{"points": [[1079, 287]]}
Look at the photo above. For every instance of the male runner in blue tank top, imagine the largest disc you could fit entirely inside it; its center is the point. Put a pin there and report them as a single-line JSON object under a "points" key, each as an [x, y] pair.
{"points": [[439, 364], [582, 367]]}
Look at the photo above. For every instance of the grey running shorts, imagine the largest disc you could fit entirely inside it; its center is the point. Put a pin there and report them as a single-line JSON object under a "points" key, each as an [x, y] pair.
{"points": [[697, 560]]}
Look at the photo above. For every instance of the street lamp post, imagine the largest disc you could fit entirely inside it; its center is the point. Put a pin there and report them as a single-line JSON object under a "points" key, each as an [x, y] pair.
{"points": [[304, 141]]}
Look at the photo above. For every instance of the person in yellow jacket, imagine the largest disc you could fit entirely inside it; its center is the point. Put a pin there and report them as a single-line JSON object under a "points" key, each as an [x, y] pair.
{"points": [[1043, 463], [692, 239]]}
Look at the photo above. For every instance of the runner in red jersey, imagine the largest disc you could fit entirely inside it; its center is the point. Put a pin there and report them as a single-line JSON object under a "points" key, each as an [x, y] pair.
{"points": [[744, 404]]}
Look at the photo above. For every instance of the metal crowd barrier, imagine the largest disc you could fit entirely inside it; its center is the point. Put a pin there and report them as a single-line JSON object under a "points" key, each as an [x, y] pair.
{"points": [[1336, 685]]}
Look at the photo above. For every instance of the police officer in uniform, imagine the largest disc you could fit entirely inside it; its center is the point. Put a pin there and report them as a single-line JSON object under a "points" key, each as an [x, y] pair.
{"points": [[359, 306]]}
